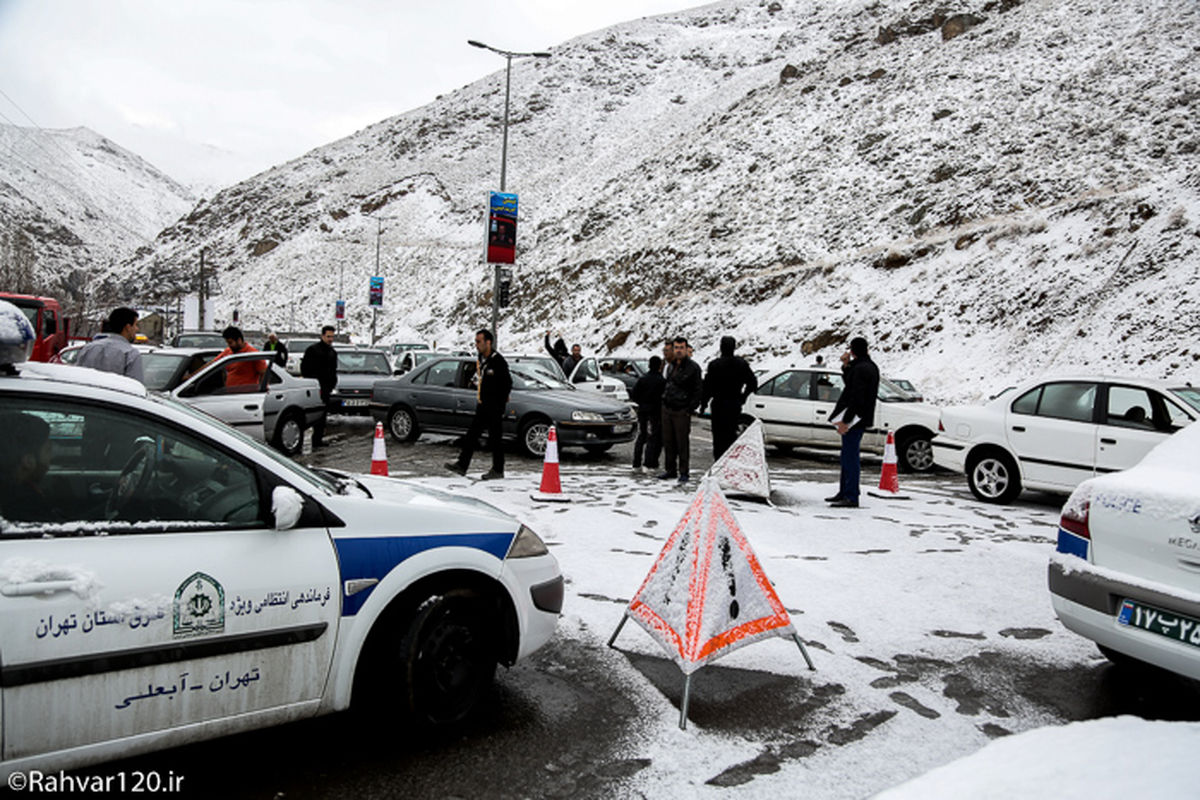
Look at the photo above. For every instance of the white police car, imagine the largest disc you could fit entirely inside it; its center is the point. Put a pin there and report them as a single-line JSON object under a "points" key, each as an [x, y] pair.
{"points": [[1127, 571], [165, 579]]}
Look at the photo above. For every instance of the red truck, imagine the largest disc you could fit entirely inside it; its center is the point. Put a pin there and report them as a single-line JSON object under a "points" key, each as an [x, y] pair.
{"points": [[52, 329]]}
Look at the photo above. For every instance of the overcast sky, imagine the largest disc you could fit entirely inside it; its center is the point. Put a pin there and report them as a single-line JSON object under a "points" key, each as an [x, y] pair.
{"points": [[213, 91]]}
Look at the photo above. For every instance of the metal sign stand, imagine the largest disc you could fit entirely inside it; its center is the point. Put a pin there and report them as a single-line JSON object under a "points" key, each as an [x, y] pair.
{"points": [[687, 679]]}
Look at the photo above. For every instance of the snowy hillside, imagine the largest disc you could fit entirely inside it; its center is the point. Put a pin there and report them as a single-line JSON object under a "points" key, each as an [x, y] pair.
{"points": [[986, 193], [72, 204]]}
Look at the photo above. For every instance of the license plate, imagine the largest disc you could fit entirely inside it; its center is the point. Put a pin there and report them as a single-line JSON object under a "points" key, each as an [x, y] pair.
{"points": [[356, 402], [1164, 623]]}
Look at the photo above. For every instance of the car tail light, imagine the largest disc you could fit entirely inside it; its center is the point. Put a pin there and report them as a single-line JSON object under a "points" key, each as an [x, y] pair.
{"points": [[1075, 518], [941, 427]]}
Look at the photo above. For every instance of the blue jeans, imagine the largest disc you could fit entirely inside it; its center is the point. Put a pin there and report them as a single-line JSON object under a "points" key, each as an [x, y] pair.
{"points": [[851, 442]]}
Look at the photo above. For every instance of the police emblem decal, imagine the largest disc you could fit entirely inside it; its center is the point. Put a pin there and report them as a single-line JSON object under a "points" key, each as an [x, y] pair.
{"points": [[199, 607]]}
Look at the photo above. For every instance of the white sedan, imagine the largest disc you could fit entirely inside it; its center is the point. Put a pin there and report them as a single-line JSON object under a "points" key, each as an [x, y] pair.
{"points": [[1127, 571], [1052, 434], [795, 405], [165, 579]]}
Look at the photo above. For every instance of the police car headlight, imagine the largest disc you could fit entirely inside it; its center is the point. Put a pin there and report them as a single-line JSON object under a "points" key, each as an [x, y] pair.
{"points": [[586, 416], [527, 544]]}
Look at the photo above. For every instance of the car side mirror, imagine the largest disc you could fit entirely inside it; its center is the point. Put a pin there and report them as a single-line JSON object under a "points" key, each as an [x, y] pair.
{"points": [[286, 506]]}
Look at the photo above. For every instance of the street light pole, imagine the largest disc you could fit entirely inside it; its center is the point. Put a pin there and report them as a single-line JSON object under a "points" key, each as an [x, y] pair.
{"points": [[508, 59]]}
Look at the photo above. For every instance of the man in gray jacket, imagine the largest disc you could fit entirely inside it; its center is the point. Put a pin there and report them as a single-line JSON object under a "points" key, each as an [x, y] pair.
{"points": [[113, 350]]}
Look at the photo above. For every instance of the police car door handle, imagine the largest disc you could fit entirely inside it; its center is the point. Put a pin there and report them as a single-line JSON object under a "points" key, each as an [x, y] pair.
{"points": [[251, 407], [1108, 441], [759, 405], [35, 587], [822, 411], [1019, 428]]}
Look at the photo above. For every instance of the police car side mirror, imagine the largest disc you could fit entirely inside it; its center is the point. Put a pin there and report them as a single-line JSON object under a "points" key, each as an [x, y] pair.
{"points": [[286, 506]]}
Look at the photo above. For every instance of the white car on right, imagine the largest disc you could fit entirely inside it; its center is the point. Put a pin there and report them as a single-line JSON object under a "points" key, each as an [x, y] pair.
{"points": [[1126, 573], [1054, 433]]}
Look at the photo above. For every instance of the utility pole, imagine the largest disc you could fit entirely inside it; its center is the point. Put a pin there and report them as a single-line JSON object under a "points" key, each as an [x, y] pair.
{"points": [[200, 291], [375, 309]]}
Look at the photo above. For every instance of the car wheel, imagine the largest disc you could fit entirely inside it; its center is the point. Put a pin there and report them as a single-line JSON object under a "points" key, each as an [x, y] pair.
{"points": [[402, 424], [916, 453], [289, 433], [448, 657], [993, 478], [533, 437]]}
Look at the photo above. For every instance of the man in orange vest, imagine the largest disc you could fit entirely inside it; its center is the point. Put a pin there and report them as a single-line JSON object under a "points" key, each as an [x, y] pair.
{"points": [[242, 373]]}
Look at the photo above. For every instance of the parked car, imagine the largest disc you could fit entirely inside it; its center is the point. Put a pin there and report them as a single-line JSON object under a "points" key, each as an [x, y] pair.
{"points": [[586, 375], [1053, 434], [439, 396], [906, 387], [357, 371], [400, 348], [1127, 571], [167, 367], [276, 409], [626, 369], [203, 586], [197, 339], [794, 406], [296, 348]]}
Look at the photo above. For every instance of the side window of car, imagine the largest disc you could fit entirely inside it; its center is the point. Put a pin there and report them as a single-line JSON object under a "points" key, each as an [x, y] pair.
{"points": [[794, 385], [1130, 407], [1028, 402], [1168, 416], [442, 373], [1070, 401], [111, 470], [586, 371], [467, 378], [829, 387]]}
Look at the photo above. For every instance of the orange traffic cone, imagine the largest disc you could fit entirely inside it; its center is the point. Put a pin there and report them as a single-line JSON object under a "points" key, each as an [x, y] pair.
{"points": [[378, 454], [551, 490], [889, 478]]}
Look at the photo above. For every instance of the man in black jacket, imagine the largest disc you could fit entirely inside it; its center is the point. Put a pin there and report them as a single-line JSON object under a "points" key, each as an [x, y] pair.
{"points": [[681, 396], [493, 386], [647, 393], [320, 363], [853, 413], [727, 384]]}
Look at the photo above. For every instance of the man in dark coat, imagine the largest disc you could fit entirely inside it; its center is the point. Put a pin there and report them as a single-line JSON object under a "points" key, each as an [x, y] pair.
{"points": [[493, 386], [273, 345], [681, 396], [728, 382], [320, 363], [647, 393], [558, 351], [853, 413]]}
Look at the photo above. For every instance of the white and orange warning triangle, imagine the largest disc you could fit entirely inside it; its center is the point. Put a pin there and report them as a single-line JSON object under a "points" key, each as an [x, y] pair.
{"points": [[707, 594], [742, 469]]}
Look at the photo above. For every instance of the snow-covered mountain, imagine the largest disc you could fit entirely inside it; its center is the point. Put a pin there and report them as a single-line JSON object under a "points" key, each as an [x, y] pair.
{"points": [[74, 204], [987, 192]]}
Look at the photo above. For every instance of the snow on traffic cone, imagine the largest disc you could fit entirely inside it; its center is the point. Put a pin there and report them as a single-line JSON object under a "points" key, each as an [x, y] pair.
{"points": [[378, 453], [550, 490], [889, 478]]}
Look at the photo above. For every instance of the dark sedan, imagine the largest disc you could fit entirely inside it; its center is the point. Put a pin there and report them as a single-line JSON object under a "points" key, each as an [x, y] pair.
{"points": [[357, 371], [439, 397]]}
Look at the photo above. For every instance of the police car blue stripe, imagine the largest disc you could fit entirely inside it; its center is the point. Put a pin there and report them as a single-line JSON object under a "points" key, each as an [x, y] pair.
{"points": [[1071, 544], [375, 557]]}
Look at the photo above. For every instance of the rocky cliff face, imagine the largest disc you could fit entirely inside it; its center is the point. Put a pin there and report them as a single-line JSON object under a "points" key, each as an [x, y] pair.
{"points": [[986, 191], [73, 205]]}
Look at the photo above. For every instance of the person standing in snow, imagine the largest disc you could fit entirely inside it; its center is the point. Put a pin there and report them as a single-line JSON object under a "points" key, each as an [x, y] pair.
{"points": [[681, 395], [273, 345], [320, 363], [558, 351], [728, 382], [647, 393], [493, 387], [853, 413], [113, 350]]}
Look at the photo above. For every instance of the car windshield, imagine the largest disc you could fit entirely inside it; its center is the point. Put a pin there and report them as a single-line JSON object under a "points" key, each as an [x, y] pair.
{"points": [[370, 362], [1189, 395], [534, 377], [160, 369], [891, 393], [543, 364], [298, 470]]}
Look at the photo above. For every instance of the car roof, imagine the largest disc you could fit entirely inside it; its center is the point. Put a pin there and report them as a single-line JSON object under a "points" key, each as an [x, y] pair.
{"points": [[78, 376], [183, 352]]}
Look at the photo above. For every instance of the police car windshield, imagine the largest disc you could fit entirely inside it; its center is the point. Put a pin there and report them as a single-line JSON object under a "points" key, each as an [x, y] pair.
{"points": [[279, 458], [533, 376]]}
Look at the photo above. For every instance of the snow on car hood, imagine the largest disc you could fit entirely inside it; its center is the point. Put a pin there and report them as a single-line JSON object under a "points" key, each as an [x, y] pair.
{"points": [[394, 491]]}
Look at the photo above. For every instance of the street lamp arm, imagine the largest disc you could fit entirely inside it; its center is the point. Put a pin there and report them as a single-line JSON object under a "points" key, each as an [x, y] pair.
{"points": [[507, 53]]}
